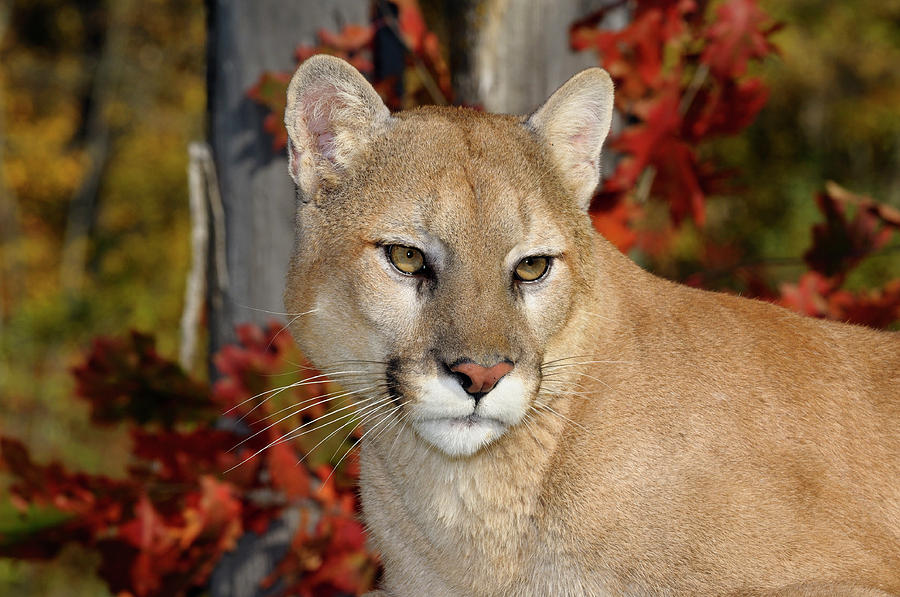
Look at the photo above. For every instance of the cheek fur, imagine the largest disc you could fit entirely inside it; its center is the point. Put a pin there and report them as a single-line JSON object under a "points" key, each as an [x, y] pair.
{"points": [[392, 308], [546, 308]]}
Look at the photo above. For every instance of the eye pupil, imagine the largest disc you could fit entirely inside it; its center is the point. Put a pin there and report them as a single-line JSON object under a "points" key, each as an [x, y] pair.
{"points": [[532, 268], [407, 260]]}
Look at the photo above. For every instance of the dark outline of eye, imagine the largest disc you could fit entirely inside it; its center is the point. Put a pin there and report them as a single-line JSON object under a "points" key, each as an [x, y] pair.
{"points": [[540, 277], [421, 272]]}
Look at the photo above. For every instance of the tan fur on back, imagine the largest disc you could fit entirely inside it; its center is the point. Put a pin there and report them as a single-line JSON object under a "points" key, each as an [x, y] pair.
{"points": [[676, 441]]}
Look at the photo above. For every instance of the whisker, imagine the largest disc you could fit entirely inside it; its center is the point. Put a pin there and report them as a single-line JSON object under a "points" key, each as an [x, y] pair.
{"points": [[305, 382], [350, 449], [324, 398], [562, 365], [344, 426], [346, 361], [391, 426], [546, 407], [402, 420], [288, 325], [364, 407], [280, 389], [525, 421], [551, 393], [601, 316], [263, 310], [594, 378], [578, 356], [322, 421], [293, 433]]}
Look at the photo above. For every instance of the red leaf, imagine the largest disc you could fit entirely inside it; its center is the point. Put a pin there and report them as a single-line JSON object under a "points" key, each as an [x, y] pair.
{"points": [[739, 34], [293, 480], [676, 169], [840, 244], [877, 309], [807, 296], [125, 378], [352, 38], [614, 225], [726, 109]]}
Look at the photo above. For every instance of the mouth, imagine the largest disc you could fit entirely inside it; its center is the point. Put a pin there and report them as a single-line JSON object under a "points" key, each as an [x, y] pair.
{"points": [[467, 421], [459, 436]]}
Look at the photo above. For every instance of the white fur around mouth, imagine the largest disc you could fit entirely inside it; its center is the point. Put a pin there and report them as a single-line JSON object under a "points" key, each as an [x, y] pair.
{"points": [[459, 436], [447, 417]]}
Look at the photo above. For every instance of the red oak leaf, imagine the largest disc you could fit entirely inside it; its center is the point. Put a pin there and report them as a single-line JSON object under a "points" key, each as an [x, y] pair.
{"points": [[739, 34]]}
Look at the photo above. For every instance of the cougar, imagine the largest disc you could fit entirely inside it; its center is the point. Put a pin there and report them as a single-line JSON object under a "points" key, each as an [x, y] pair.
{"points": [[543, 417]]}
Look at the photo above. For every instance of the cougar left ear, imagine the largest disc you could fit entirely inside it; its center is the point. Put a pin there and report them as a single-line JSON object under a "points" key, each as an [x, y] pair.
{"points": [[332, 113], [574, 123]]}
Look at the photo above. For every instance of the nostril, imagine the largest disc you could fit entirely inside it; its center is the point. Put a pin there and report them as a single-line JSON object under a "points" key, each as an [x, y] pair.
{"points": [[476, 379], [464, 380]]}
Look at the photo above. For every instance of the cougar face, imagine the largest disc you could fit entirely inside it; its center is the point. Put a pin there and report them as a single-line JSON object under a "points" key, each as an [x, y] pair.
{"points": [[449, 280]]}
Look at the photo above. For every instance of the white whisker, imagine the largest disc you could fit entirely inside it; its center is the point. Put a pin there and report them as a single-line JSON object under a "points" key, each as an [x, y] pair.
{"points": [[402, 420], [288, 325], [601, 316], [302, 382], [321, 399], [293, 433], [546, 407], [322, 378], [563, 365], [371, 408], [350, 449]]}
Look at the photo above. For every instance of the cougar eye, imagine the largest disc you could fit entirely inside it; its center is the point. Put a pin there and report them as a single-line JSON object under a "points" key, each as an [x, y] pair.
{"points": [[408, 260], [532, 268]]}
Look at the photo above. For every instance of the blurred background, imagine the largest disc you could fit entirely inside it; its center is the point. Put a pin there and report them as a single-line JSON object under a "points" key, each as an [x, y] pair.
{"points": [[756, 150]]}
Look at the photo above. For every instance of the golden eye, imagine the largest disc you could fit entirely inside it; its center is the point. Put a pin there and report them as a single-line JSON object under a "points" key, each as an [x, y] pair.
{"points": [[532, 268], [408, 260]]}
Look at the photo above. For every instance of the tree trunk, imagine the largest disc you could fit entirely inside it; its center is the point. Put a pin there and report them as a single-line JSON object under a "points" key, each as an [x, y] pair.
{"points": [[245, 40], [508, 56]]}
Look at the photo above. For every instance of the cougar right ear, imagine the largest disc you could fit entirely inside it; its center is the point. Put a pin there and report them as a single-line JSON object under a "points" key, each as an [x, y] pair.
{"points": [[332, 113]]}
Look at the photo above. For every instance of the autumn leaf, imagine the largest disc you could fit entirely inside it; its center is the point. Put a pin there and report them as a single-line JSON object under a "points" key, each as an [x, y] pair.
{"points": [[840, 243], [614, 225], [352, 38], [738, 35]]}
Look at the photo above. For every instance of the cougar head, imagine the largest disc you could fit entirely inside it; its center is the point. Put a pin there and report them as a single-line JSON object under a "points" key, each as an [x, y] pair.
{"points": [[440, 252]]}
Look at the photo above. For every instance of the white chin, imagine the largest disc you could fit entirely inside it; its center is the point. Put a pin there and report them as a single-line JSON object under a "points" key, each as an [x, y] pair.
{"points": [[459, 437]]}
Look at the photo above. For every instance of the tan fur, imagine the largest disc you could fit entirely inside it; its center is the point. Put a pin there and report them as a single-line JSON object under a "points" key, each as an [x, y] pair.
{"points": [[698, 443]]}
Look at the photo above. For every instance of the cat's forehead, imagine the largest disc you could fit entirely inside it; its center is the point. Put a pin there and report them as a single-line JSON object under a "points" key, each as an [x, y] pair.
{"points": [[461, 175]]}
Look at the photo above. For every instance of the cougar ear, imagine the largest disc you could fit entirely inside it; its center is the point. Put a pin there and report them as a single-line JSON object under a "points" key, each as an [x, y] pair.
{"points": [[574, 123], [332, 113]]}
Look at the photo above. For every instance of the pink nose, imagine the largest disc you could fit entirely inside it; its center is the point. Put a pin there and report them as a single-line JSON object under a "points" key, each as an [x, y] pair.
{"points": [[482, 379]]}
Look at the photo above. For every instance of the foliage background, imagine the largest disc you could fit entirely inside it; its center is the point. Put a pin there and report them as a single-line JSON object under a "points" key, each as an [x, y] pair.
{"points": [[128, 78]]}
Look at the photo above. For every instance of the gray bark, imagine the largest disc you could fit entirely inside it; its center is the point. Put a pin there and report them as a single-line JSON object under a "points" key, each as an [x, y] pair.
{"points": [[510, 55], [245, 40]]}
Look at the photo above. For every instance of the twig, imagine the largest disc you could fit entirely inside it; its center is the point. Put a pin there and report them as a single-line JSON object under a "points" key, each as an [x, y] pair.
{"points": [[83, 206], [218, 217], [693, 87], [195, 286]]}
